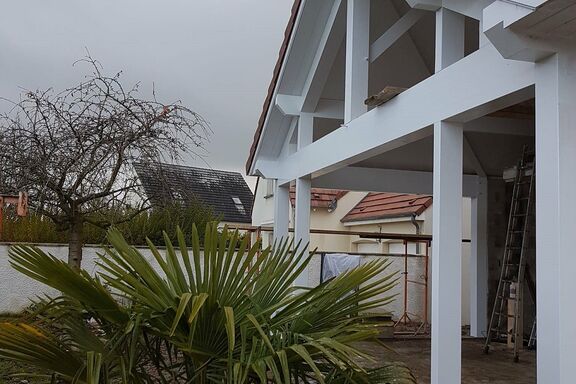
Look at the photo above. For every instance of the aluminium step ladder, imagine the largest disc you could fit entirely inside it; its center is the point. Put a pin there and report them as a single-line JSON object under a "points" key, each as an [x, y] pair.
{"points": [[532, 339], [505, 324]]}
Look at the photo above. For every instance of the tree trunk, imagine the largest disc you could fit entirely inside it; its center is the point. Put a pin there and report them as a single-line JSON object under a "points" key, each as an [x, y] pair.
{"points": [[75, 245]]}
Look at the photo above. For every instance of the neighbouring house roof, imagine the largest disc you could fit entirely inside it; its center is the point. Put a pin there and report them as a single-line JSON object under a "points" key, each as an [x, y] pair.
{"points": [[387, 205], [225, 192], [319, 198], [275, 77]]}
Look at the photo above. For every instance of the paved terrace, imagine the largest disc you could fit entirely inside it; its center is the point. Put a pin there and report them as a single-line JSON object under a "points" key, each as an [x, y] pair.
{"points": [[497, 367]]}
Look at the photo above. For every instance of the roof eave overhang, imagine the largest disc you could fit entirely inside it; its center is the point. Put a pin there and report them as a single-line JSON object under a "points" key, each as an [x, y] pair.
{"points": [[507, 25], [273, 88]]}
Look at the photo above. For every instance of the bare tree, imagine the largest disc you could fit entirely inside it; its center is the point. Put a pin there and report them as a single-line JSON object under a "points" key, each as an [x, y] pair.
{"points": [[73, 150]]}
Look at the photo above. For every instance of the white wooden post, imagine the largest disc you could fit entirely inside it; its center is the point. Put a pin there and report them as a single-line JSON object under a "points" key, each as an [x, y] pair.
{"points": [[447, 218], [303, 190], [447, 254], [479, 262], [555, 212], [357, 58], [281, 211], [449, 38]]}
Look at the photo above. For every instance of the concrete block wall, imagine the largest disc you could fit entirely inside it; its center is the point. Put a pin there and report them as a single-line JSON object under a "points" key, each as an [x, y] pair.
{"points": [[416, 292]]}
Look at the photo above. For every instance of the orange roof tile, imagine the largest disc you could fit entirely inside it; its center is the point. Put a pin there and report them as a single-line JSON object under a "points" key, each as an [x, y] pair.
{"points": [[388, 205]]}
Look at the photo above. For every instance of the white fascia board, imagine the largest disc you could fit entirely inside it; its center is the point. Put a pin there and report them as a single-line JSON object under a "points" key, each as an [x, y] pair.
{"points": [[387, 180], [474, 86]]}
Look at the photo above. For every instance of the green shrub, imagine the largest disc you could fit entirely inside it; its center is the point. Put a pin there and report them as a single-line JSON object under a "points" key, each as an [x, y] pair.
{"points": [[148, 224], [229, 314]]}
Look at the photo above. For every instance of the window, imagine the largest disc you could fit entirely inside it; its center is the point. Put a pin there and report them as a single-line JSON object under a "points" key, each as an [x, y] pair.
{"points": [[239, 205]]}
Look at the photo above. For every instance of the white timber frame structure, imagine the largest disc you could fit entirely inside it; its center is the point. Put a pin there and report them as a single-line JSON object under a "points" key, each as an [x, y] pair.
{"points": [[471, 69]]}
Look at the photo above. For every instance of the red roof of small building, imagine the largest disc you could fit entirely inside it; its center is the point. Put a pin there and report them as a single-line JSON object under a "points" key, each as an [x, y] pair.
{"points": [[388, 205], [319, 198]]}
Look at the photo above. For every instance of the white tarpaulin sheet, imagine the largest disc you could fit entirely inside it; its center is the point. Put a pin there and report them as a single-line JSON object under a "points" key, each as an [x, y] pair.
{"points": [[335, 264]]}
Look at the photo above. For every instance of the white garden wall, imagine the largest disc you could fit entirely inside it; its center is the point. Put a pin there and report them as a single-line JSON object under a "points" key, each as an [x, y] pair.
{"points": [[16, 289]]}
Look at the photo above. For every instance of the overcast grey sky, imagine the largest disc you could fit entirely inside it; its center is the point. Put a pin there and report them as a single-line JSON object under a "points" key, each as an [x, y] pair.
{"points": [[216, 56]]}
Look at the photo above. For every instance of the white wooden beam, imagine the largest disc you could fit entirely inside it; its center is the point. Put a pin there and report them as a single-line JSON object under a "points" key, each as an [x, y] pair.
{"points": [[478, 269], [291, 105], [330, 43], [450, 94], [493, 125], [387, 180], [396, 31], [555, 224], [357, 58], [281, 211]]}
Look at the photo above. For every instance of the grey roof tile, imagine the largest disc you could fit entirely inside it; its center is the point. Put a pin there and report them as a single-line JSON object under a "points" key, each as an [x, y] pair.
{"points": [[225, 192]]}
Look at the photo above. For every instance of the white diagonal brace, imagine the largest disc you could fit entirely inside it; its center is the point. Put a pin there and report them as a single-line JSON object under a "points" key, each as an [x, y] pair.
{"points": [[395, 32]]}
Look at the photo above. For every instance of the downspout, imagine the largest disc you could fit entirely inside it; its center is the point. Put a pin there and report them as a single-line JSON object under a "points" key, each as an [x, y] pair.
{"points": [[418, 230]]}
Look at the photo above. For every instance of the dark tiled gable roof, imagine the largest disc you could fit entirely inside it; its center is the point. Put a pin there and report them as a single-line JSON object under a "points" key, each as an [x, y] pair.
{"points": [[319, 198], [217, 189], [388, 205]]}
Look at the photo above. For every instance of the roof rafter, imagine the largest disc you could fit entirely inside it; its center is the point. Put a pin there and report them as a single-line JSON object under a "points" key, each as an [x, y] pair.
{"points": [[330, 42]]}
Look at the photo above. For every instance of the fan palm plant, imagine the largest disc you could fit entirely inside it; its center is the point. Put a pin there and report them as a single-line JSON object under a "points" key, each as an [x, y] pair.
{"points": [[229, 314]]}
